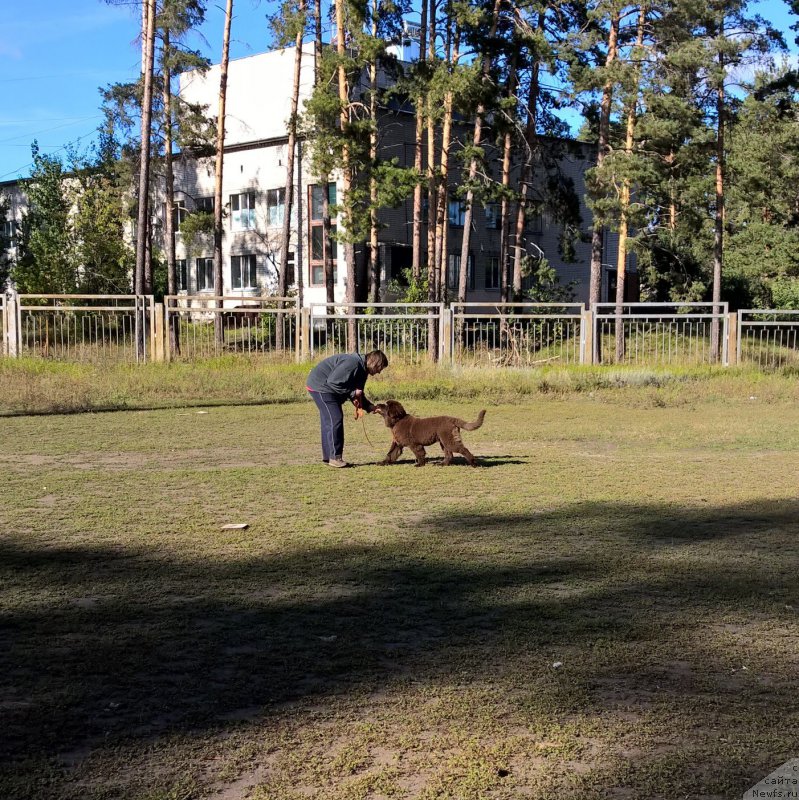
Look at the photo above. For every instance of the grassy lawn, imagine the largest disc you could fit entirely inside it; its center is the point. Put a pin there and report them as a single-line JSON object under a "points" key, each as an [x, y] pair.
{"points": [[606, 609]]}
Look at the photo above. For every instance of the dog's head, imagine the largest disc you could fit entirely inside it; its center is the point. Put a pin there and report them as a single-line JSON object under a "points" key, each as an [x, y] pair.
{"points": [[391, 411]]}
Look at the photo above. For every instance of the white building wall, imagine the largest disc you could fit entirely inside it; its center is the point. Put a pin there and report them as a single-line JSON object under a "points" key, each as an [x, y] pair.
{"points": [[259, 87]]}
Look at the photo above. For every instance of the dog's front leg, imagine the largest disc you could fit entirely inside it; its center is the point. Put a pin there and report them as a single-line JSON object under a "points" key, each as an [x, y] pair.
{"points": [[420, 455], [393, 454]]}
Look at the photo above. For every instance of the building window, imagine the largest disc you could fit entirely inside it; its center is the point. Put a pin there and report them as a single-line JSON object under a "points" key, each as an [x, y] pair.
{"points": [[316, 234], [9, 233], [535, 222], [242, 272], [242, 211], [492, 273], [317, 199], [290, 276], [275, 206], [453, 272], [205, 274], [457, 213], [493, 216], [179, 213], [204, 204], [182, 274]]}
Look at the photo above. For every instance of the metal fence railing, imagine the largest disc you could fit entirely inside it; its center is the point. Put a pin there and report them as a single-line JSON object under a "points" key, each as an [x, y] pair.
{"points": [[656, 334], [518, 334], [204, 326], [134, 329], [768, 338], [88, 328], [405, 332]]}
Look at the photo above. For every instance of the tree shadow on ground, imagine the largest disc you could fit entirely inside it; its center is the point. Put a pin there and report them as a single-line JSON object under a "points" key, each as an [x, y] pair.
{"points": [[105, 644]]}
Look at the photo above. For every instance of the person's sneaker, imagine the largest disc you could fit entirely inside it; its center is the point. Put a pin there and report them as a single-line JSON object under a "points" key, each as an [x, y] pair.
{"points": [[337, 462]]}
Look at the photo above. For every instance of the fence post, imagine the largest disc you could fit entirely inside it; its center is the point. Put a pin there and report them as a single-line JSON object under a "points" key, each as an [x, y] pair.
{"points": [[732, 339], [159, 329], [11, 326], [587, 337], [297, 331], [305, 333], [445, 333]]}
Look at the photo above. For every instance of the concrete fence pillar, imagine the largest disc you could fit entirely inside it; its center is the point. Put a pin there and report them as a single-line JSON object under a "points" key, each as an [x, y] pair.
{"points": [[11, 325], [732, 339], [587, 337], [160, 345], [305, 334], [446, 335]]}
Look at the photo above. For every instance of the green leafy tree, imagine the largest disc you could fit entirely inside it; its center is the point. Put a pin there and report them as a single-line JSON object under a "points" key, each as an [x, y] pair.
{"points": [[106, 259], [761, 249], [48, 258]]}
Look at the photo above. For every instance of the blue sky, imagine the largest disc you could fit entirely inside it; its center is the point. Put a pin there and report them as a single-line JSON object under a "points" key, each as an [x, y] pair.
{"points": [[55, 55]]}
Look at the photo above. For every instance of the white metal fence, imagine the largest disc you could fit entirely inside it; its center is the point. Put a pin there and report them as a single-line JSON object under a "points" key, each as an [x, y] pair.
{"points": [[768, 338], [203, 326], [404, 332], [518, 334], [134, 329], [656, 334], [79, 327]]}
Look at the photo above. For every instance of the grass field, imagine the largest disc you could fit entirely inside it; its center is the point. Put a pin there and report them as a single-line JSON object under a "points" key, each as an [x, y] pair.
{"points": [[606, 609]]}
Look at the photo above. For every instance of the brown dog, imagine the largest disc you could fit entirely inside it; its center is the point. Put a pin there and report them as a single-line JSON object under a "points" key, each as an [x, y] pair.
{"points": [[419, 432]]}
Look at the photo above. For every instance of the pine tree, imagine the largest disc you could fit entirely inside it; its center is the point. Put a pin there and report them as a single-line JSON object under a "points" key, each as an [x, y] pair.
{"points": [[220, 160]]}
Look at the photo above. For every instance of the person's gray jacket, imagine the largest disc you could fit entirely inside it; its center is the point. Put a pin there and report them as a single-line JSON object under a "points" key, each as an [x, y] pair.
{"points": [[340, 375]]}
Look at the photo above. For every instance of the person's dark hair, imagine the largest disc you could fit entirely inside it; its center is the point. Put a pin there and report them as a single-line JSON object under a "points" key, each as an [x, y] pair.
{"points": [[376, 360]]}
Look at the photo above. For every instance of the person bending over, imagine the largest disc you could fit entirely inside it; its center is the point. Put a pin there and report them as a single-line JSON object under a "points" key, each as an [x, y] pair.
{"points": [[332, 382]]}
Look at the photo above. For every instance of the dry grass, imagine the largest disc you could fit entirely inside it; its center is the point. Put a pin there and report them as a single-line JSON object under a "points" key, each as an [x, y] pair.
{"points": [[392, 632], [31, 386]]}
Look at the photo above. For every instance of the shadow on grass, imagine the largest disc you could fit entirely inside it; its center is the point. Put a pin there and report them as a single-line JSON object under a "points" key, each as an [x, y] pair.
{"points": [[102, 644], [457, 461]]}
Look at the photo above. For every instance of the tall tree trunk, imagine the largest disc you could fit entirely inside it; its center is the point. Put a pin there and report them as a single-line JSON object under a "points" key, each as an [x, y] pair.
{"points": [[595, 286], [299, 261], [416, 267], [526, 179], [718, 233], [504, 218], [478, 134], [442, 219], [374, 261], [621, 257], [671, 161], [291, 147], [220, 155], [324, 180], [148, 57], [169, 219], [346, 170], [432, 194]]}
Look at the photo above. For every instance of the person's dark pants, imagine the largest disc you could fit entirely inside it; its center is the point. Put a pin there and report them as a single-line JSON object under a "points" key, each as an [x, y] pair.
{"points": [[332, 418]]}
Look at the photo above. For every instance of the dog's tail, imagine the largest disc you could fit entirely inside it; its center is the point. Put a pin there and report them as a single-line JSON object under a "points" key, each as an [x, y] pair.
{"points": [[472, 426]]}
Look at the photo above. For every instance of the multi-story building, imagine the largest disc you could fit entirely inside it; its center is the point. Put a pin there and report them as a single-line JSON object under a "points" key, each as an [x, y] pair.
{"points": [[254, 177], [253, 190], [13, 199]]}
